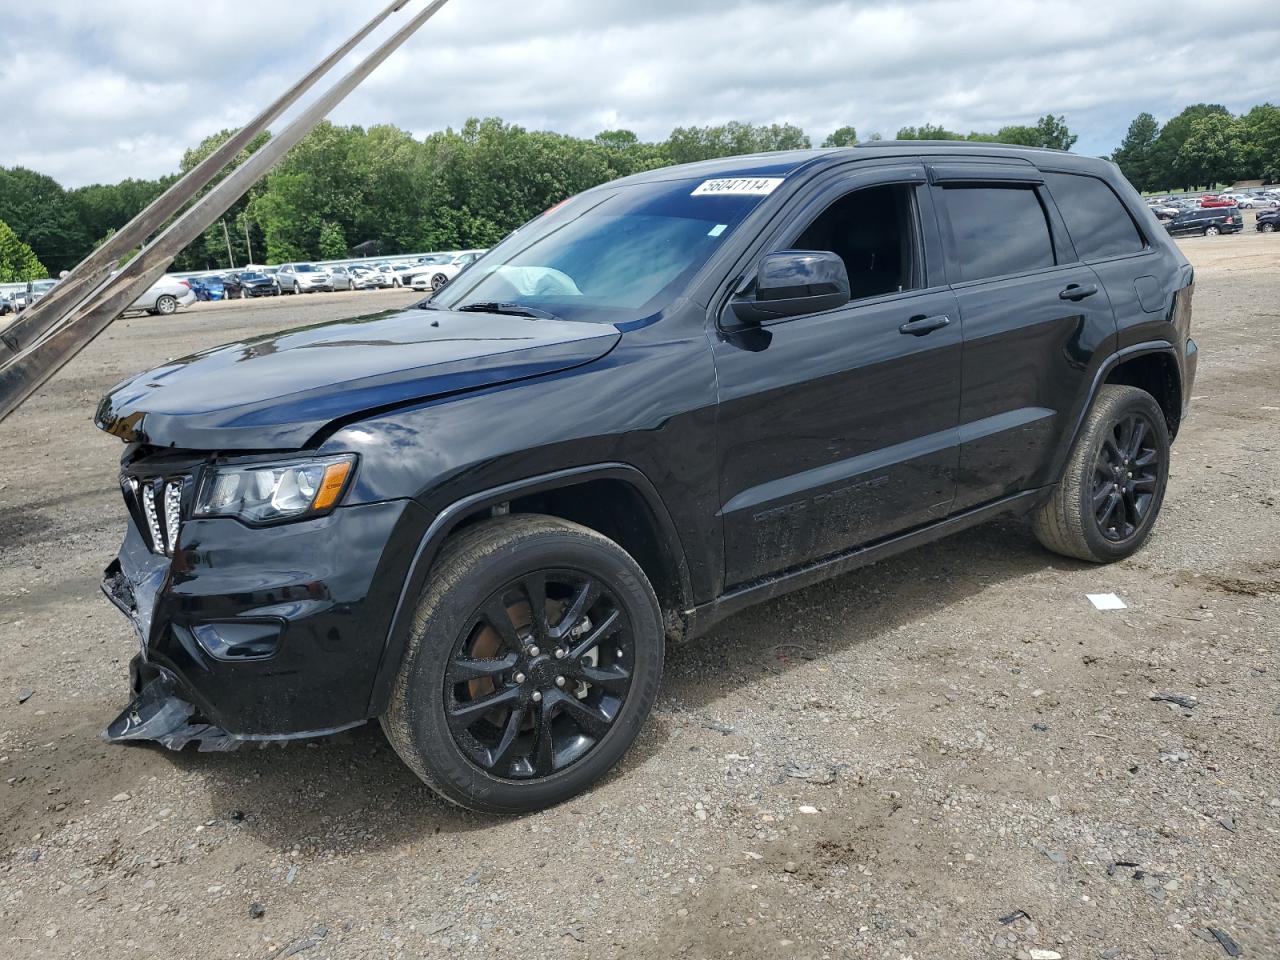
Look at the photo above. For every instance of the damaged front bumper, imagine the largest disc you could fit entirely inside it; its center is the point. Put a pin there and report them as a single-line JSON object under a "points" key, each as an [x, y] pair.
{"points": [[259, 634], [157, 713]]}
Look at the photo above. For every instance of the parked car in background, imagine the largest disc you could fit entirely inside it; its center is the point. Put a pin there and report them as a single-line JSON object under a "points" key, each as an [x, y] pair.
{"points": [[207, 288], [165, 296], [366, 278], [395, 273], [340, 278], [1254, 200], [255, 284], [1163, 210], [303, 278], [1268, 221], [442, 273], [1208, 221], [6, 305], [1210, 200], [232, 287], [37, 289]]}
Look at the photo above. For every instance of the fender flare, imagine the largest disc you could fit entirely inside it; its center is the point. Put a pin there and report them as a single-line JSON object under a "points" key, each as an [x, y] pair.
{"points": [[1104, 370], [448, 519]]}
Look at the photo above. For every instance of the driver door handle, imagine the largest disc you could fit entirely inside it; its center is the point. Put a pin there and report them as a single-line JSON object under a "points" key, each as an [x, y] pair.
{"points": [[919, 326], [1075, 292]]}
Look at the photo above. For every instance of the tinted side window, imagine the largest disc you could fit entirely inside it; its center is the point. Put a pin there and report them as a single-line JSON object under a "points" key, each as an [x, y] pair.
{"points": [[998, 230], [1098, 222]]}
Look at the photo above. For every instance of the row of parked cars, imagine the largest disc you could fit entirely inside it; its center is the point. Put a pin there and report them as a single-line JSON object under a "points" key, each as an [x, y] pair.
{"points": [[1211, 214], [163, 297], [427, 273]]}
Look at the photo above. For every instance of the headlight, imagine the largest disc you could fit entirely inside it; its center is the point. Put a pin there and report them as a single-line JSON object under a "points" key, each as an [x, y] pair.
{"points": [[261, 493]]}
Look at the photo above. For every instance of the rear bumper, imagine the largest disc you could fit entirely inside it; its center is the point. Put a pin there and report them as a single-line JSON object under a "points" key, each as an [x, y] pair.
{"points": [[274, 632]]}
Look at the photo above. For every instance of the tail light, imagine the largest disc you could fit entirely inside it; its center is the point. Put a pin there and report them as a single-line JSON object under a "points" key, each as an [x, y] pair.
{"points": [[185, 284]]}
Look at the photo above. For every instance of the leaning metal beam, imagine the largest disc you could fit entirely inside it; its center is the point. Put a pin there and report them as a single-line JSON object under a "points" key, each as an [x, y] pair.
{"points": [[48, 312], [76, 328]]}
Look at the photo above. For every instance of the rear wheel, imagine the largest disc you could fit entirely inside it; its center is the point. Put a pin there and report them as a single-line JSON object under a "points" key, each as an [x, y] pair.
{"points": [[1110, 493], [166, 305], [534, 659], [1211, 231]]}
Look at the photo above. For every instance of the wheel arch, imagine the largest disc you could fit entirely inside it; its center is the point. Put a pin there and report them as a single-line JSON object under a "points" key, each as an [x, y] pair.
{"points": [[614, 499], [1131, 366]]}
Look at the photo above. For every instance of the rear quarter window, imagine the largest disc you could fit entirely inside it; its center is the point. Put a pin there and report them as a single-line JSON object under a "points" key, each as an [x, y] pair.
{"points": [[1099, 224]]}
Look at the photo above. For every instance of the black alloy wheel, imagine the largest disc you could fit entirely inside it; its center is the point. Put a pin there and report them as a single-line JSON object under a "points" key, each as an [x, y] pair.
{"points": [[1125, 477], [539, 674]]}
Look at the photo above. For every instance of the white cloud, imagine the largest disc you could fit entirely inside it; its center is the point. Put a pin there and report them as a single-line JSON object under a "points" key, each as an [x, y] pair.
{"points": [[103, 89]]}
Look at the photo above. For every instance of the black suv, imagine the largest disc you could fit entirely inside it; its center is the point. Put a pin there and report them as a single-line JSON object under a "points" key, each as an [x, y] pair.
{"points": [[670, 397], [1268, 221], [1207, 221]]}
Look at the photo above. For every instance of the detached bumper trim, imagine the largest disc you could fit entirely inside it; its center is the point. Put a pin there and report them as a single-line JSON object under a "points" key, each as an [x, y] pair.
{"points": [[157, 713]]}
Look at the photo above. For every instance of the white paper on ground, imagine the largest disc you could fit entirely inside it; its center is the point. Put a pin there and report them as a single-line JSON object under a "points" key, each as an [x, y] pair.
{"points": [[1106, 601]]}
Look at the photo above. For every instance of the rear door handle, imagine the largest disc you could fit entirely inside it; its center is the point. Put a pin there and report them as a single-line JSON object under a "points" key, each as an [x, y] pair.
{"points": [[919, 326], [1075, 292]]}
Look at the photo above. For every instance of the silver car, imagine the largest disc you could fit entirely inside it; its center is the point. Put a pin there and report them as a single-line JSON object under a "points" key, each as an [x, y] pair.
{"points": [[303, 278], [341, 278], [164, 297]]}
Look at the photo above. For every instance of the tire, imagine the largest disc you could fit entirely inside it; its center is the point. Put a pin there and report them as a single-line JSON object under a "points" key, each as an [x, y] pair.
{"points": [[166, 305], [438, 281], [1268, 228], [1068, 523], [483, 567], [1211, 231]]}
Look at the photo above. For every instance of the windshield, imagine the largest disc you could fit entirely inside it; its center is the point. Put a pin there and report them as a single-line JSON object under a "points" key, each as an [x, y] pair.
{"points": [[610, 256], [305, 268], [436, 258]]}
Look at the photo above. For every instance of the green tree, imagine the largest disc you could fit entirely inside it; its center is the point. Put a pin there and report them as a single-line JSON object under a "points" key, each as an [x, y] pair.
{"points": [[1136, 154], [1211, 152], [333, 242], [40, 212], [18, 262], [1053, 133], [689, 144], [1259, 136], [928, 131], [843, 137], [1164, 155]]}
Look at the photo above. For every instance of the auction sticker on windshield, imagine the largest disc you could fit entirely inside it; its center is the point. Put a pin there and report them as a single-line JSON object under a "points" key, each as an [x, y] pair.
{"points": [[738, 187]]}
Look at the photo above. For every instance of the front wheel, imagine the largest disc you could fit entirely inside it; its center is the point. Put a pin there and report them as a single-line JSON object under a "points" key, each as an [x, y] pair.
{"points": [[1268, 228], [438, 281], [534, 658], [1110, 493]]}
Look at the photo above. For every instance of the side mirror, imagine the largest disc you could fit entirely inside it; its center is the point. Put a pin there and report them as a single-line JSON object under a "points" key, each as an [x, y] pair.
{"points": [[790, 283]]}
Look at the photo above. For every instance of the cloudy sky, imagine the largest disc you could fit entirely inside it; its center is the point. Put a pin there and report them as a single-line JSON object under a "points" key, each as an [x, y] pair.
{"points": [[98, 90]]}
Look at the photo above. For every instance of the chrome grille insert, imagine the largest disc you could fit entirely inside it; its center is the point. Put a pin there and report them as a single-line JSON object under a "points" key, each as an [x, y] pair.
{"points": [[159, 501]]}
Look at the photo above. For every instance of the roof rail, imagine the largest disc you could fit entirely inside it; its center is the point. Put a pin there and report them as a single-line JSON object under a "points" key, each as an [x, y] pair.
{"points": [[963, 144]]}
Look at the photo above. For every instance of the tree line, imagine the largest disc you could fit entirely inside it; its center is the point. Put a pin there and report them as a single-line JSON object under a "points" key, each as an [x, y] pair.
{"points": [[380, 190]]}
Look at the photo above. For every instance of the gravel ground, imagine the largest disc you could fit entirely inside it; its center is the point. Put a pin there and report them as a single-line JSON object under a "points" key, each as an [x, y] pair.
{"points": [[947, 755]]}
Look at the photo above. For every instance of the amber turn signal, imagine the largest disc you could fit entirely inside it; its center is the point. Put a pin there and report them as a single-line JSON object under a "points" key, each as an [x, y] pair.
{"points": [[335, 478]]}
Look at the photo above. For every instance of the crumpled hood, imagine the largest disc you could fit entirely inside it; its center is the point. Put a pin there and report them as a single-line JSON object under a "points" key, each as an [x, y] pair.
{"points": [[278, 391]]}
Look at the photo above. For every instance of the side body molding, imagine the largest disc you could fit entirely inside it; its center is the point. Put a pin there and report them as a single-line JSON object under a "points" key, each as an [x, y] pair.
{"points": [[448, 519]]}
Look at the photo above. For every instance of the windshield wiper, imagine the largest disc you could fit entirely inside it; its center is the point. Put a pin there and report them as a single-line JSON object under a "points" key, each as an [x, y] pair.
{"points": [[507, 309]]}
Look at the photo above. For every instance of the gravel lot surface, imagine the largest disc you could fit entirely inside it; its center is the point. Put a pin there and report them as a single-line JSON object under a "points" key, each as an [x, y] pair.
{"points": [[948, 755]]}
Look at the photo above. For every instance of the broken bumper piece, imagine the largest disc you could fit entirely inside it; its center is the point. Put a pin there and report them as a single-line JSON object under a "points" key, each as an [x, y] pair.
{"points": [[157, 713]]}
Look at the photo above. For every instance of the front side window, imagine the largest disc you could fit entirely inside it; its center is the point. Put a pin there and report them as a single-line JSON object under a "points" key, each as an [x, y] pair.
{"points": [[614, 255], [873, 231], [998, 231], [1098, 222]]}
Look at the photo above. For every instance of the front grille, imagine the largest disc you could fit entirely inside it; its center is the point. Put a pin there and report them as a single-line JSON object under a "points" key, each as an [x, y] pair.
{"points": [[156, 504]]}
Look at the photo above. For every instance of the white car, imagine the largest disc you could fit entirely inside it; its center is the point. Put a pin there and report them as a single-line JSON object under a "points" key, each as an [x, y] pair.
{"points": [[303, 278], [438, 274], [1249, 201], [396, 274], [363, 278], [165, 296]]}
